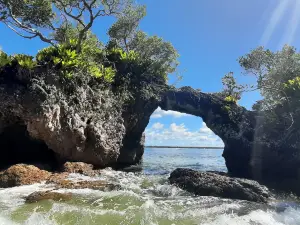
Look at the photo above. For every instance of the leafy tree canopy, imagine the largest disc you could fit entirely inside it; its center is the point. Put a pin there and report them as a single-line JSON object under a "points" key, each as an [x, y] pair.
{"points": [[47, 19], [232, 91], [277, 74], [60, 22], [126, 34]]}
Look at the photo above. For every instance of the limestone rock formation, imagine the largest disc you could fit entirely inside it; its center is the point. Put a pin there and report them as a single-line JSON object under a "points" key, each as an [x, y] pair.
{"points": [[44, 117], [49, 119], [252, 149], [212, 184]]}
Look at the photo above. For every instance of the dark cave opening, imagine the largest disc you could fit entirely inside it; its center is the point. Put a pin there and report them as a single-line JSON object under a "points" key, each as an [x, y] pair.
{"points": [[16, 146]]}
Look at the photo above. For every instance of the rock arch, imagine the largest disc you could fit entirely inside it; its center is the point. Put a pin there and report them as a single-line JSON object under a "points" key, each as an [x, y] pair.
{"points": [[252, 149], [232, 123]]}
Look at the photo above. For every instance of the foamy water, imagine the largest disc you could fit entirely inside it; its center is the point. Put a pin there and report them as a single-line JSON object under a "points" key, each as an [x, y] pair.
{"points": [[144, 198]]}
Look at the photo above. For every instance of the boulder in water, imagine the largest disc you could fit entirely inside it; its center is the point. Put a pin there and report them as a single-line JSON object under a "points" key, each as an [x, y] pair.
{"points": [[47, 195], [22, 174], [212, 184]]}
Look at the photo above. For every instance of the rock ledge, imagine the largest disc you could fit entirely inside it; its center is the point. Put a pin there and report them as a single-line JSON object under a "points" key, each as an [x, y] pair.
{"points": [[213, 184]]}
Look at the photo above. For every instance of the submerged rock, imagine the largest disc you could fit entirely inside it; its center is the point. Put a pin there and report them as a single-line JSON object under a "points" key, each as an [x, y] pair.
{"points": [[47, 195], [22, 174], [212, 184], [60, 180], [95, 185]]}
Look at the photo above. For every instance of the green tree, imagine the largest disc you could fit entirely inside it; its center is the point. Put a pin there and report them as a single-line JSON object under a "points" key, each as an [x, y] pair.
{"points": [[46, 18], [160, 55], [277, 74], [232, 91], [125, 29]]}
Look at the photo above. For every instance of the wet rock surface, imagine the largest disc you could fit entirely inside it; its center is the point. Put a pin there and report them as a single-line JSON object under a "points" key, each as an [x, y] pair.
{"points": [[47, 195], [81, 168], [22, 174], [95, 185], [212, 184]]}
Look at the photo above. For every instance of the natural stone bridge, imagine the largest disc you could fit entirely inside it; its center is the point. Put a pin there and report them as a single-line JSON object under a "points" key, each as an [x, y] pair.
{"points": [[43, 121], [252, 148], [232, 123]]}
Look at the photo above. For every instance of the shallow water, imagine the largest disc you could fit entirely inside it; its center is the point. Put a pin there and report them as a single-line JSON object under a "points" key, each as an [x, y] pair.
{"points": [[146, 198]]}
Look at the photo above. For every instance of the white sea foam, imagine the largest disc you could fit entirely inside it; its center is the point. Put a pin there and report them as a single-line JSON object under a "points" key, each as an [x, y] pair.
{"points": [[142, 199]]}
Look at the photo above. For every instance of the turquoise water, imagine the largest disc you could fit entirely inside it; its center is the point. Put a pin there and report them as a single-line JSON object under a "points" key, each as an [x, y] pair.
{"points": [[165, 160], [146, 198]]}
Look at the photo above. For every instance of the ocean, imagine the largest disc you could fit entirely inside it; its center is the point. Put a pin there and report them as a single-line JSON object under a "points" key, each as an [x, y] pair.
{"points": [[146, 198]]}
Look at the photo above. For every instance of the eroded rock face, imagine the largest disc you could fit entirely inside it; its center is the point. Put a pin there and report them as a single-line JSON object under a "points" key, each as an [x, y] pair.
{"points": [[252, 149], [80, 121], [22, 174], [212, 184], [233, 124]]}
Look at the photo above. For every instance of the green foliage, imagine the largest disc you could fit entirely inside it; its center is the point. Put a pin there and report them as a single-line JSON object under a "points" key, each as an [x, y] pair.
{"points": [[276, 73], [227, 108], [63, 56], [125, 29], [68, 61], [232, 91], [51, 20], [66, 25], [163, 55], [4, 59], [230, 99], [292, 89], [160, 56], [25, 61], [293, 84], [36, 13], [129, 56]]}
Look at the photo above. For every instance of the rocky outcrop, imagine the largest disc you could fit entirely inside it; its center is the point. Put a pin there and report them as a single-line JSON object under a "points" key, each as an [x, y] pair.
{"points": [[49, 119], [47, 195], [44, 116], [212, 184], [22, 174], [232, 123], [253, 149]]}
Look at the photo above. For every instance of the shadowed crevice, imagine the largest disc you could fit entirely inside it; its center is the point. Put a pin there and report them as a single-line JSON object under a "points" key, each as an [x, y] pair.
{"points": [[16, 146]]}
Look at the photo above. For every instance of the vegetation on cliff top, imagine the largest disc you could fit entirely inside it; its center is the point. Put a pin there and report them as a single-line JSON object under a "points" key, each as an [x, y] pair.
{"points": [[74, 49], [131, 54]]}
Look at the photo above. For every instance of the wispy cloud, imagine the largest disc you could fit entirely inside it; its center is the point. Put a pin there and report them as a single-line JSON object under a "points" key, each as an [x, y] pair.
{"points": [[157, 126], [275, 19], [159, 113], [179, 135], [293, 25]]}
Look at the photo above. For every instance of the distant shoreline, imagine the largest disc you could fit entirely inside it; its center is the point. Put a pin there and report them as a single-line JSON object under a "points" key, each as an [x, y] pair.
{"points": [[196, 147]]}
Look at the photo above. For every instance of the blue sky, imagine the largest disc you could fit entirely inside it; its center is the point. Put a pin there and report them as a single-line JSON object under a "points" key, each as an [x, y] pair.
{"points": [[209, 35]]}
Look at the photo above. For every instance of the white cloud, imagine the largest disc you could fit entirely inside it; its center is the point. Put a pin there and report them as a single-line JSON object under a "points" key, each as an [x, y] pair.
{"points": [[159, 113], [157, 126], [180, 135], [275, 19], [204, 129]]}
